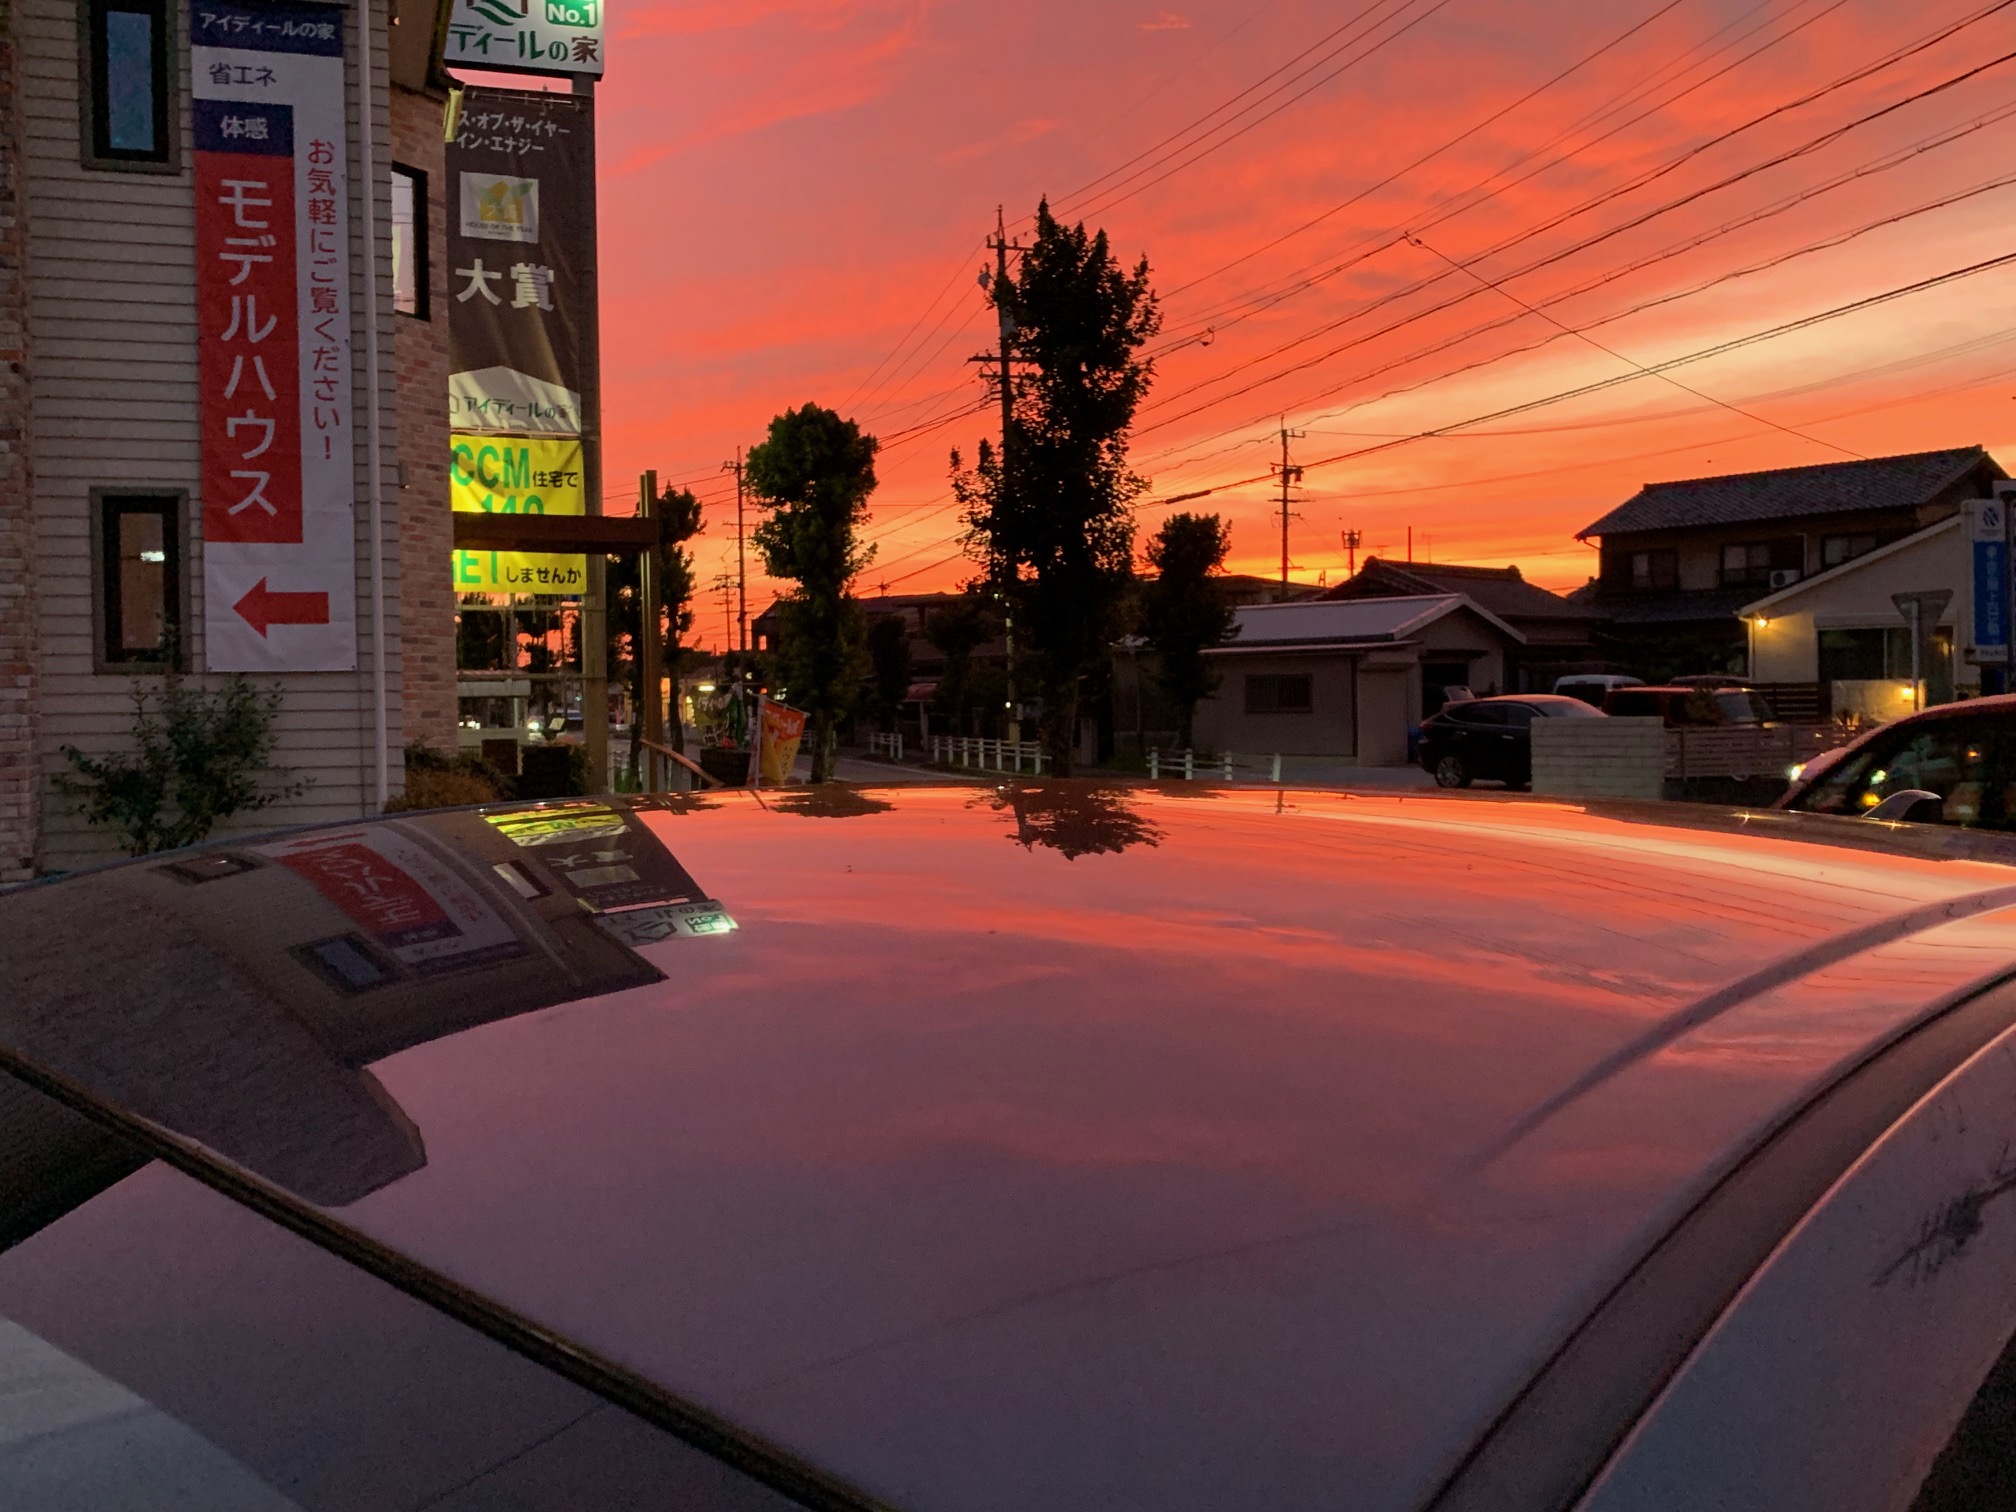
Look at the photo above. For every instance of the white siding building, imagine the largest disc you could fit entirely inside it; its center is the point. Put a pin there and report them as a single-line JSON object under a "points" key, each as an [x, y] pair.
{"points": [[98, 312]]}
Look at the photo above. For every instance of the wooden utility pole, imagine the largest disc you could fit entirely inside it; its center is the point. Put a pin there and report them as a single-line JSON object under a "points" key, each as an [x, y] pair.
{"points": [[741, 559], [1352, 540], [1290, 476], [995, 281]]}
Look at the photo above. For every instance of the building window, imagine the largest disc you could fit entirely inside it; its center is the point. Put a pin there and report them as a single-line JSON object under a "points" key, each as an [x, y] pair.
{"points": [[140, 577], [1655, 571], [1750, 564], [1273, 693], [409, 241], [128, 85], [1836, 549]]}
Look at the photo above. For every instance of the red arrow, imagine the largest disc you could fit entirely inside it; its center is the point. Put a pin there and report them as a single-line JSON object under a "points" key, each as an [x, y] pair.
{"points": [[260, 608]]}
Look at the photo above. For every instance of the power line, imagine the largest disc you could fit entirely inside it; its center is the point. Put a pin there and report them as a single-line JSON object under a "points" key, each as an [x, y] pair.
{"points": [[1109, 200], [1455, 141], [1805, 148], [1454, 204], [1652, 370], [1084, 190], [1610, 351]]}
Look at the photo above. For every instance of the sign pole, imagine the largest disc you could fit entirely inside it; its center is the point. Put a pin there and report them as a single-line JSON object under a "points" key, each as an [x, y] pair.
{"points": [[595, 601], [650, 711]]}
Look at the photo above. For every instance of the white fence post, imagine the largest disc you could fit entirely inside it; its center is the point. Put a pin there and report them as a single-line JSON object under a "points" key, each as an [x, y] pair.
{"points": [[1154, 764], [1228, 766], [1277, 768], [1189, 766]]}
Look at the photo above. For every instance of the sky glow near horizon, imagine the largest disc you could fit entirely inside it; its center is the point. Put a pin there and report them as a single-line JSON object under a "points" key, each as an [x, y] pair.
{"points": [[794, 195]]}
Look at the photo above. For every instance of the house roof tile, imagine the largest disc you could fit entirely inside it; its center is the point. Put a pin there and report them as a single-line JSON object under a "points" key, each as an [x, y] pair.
{"points": [[1794, 492]]}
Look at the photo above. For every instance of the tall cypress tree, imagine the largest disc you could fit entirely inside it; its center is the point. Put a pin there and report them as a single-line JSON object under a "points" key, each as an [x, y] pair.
{"points": [[813, 475], [1052, 522]]}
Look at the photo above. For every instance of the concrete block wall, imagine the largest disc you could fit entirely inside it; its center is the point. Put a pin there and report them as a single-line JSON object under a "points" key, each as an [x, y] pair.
{"points": [[17, 516], [426, 534], [1599, 758]]}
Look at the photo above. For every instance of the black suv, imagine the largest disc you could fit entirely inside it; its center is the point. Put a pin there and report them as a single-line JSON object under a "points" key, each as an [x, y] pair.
{"points": [[1491, 738]]}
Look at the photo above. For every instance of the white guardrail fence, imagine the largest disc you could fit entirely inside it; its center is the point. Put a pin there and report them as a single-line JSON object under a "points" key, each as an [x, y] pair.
{"points": [[890, 746], [1224, 765], [987, 755]]}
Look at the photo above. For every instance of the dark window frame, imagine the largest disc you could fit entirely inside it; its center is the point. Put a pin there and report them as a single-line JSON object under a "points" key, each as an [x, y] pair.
{"points": [[422, 271], [1846, 540], [172, 507], [1655, 580], [1761, 558], [1277, 682], [94, 125]]}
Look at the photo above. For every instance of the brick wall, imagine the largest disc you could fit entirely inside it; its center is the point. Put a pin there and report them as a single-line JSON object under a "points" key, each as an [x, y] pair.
{"points": [[426, 535], [17, 523], [1599, 758]]}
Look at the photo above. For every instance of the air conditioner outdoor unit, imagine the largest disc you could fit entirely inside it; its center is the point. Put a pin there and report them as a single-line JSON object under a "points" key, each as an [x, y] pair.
{"points": [[1784, 577]]}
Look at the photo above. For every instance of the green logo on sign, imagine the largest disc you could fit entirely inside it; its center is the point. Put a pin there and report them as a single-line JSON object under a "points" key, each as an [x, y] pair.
{"points": [[583, 13]]}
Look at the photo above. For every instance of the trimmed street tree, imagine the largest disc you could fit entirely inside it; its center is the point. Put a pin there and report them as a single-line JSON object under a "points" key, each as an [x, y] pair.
{"points": [[1052, 521], [813, 476], [1183, 614]]}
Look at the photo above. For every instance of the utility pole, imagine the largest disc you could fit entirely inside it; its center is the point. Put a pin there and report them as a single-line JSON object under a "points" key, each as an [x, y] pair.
{"points": [[1352, 540], [726, 584], [995, 280], [1290, 475], [741, 560]]}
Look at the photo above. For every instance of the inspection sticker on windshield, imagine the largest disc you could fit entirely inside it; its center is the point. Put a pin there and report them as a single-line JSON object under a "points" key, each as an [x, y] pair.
{"points": [[666, 921]]}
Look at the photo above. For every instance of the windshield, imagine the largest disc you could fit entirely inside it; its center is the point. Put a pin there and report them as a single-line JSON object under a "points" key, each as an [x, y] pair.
{"points": [[1740, 706], [1969, 763]]}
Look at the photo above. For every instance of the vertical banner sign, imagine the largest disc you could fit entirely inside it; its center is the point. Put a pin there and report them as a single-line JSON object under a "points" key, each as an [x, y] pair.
{"points": [[273, 337], [519, 172], [1989, 527]]}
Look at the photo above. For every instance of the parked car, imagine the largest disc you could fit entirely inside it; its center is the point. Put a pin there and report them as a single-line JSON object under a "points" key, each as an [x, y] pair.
{"points": [[1962, 754], [1695, 706], [1029, 1146], [1593, 687], [1491, 738]]}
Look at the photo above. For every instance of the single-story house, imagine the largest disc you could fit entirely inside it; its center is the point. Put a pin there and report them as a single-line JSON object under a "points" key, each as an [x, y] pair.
{"points": [[1348, 678], [1561, 635], [1842, 629]]}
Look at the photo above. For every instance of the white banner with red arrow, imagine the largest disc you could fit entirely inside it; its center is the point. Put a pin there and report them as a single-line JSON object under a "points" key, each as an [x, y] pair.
{"points": [[273, 265]]}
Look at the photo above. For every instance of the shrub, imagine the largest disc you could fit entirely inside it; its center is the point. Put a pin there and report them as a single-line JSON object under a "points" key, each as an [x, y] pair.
{"points": [[201, 757], [435, 780]]}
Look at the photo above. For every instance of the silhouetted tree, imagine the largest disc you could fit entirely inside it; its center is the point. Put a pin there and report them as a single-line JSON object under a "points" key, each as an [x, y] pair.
{"points": [[958, 629], [1183, 613], [813, 476], [889, 667], [1073, 818], [1051, 521]]}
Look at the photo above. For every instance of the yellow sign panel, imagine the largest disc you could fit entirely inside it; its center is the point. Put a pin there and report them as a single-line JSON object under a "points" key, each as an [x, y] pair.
{"points": [[500, 475]]}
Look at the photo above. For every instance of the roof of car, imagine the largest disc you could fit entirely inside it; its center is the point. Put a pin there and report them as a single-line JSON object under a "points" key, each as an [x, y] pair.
{"points": [[1042, 1145]]}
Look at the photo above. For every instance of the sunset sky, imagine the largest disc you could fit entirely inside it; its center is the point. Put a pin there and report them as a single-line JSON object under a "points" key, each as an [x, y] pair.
{"points": [[794, 195]]}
